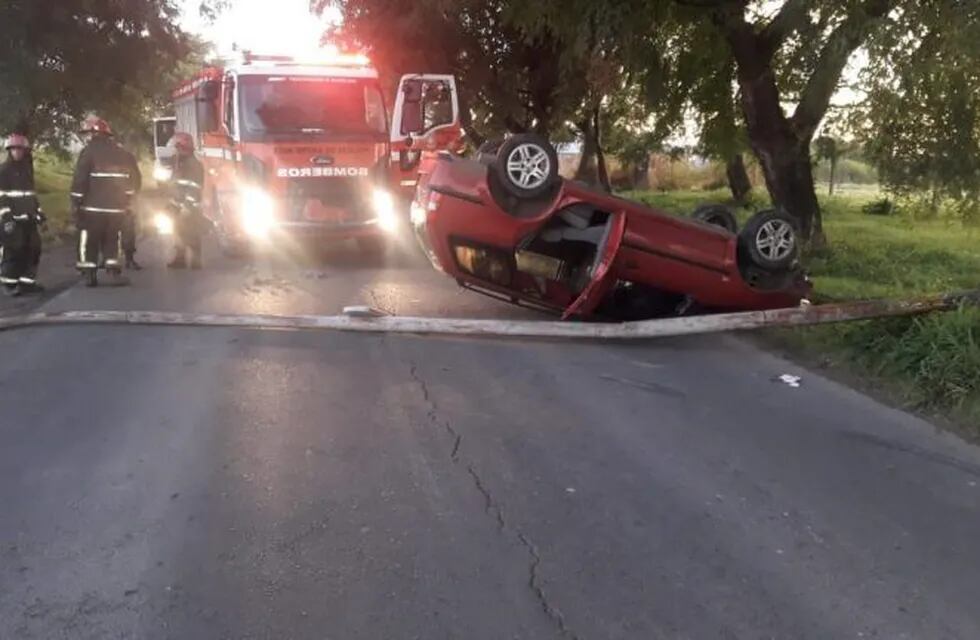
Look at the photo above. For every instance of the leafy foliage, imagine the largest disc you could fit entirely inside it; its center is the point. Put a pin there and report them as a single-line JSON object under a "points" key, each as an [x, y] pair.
{"points": [[921, 122], [883, 207], [510, 79], [59, 60]]}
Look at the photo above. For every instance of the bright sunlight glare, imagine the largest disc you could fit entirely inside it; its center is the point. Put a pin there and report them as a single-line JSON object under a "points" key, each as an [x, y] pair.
{"points": [[264, 26]]}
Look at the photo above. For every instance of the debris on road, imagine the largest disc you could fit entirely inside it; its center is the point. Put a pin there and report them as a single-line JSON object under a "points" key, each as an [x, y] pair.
{"points": [[792, 381], [363, 312]]}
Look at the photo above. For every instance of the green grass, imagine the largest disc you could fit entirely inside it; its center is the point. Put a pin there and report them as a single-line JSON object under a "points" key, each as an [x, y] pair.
{"points": [[931, 363], [52, 177]]}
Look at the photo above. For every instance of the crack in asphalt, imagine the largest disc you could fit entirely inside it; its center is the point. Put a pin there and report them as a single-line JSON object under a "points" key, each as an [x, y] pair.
{"points": [[490, 504], [534, 583], [493, 509], [432, 414]]}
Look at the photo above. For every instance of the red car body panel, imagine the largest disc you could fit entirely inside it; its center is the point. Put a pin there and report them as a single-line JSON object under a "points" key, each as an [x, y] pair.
{"points": [[655, 249], [600, 285]]}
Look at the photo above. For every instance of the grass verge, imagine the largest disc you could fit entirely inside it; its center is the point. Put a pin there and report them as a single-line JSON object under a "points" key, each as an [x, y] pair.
{"points": [[52, 177], [929, 364]]}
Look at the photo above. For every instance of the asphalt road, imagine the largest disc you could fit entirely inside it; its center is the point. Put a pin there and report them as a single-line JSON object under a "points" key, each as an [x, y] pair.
{"points": [[209, 483]]}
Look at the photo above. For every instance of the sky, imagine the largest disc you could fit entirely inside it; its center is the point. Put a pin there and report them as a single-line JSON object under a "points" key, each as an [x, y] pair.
{"points": [[267, 26]]}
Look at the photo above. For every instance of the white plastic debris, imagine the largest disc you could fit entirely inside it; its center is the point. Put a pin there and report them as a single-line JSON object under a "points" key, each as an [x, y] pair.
{"points": [[794, 381], [363, 312]]}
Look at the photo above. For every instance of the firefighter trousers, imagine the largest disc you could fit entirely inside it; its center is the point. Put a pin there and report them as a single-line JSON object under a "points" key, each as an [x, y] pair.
{"points": [[21, 255], [100, 239], [187, 237], [129, 235]]}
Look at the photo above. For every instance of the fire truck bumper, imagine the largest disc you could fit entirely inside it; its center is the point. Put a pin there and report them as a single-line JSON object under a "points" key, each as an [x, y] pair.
{"points": [[336, 230]]}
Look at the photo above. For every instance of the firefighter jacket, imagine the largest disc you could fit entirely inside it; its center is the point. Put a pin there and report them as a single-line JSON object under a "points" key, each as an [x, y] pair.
{"points": [[18, 200], [106, 178], [187, 183]]}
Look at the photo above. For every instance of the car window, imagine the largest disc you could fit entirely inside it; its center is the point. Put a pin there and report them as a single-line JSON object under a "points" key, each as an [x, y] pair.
{"points": [[437, 105]]}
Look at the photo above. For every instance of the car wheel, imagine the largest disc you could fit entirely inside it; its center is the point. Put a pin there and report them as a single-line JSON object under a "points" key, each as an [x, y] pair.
{"points": [[487, 152], [771, 240], [527, 165], [718, 215]]}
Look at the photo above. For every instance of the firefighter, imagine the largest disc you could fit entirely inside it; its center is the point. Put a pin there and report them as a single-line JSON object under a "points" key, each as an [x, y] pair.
{"points": [[106, 181], [20, 219], [185, 203]]}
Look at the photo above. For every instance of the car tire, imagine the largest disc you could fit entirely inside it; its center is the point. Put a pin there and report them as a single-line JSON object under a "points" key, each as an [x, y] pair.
{"points": [[771, 240], [718, 215], [527, 166], [487, 152]]}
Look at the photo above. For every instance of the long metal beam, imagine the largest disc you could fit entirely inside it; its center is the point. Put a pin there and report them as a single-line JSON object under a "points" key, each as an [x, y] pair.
{"points": [[367, 322]]}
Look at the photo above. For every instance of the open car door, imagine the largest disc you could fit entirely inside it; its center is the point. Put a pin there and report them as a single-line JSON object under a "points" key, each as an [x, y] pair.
{"points": [[425, 120], [600, 281]]}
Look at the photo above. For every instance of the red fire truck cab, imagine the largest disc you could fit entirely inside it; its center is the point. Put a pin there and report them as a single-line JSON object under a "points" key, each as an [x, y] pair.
{"points": [[304, 148]]}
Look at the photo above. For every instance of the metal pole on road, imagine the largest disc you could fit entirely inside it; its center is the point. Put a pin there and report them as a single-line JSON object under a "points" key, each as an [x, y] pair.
{"points": [[357, 320]]}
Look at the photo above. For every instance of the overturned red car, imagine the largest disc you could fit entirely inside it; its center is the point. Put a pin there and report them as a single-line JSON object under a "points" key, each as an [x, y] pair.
{"points": [[505, 224]]}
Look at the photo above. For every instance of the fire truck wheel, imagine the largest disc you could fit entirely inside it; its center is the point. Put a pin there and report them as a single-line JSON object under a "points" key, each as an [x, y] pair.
{"points": [[231, 248], [372, 246]]}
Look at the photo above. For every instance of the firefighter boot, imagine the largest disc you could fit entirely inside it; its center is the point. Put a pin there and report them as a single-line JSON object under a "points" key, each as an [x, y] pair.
{"points": [[180, 259], [195, 258], [132, 264]]}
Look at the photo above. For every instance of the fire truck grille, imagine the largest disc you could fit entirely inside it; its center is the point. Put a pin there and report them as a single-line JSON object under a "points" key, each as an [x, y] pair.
{"points": [[348, 195]]}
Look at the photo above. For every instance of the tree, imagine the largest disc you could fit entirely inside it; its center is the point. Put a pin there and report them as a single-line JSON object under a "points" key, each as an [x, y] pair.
{"points": [[706, 75], [510, 80], [59, 60], [796, 56], [828, 149], [921, 120]]}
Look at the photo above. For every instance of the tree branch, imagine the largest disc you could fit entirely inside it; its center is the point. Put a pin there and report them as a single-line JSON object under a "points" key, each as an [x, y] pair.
{"points": [[848, 36], [793, 15]]}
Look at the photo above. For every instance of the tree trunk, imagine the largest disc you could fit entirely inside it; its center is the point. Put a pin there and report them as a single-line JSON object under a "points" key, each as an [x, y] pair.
{"points": [[602, 170], [833, 170], [586, 171], [782, 147], [788, 171], [641, 173], [782, 151], [738, 178]]}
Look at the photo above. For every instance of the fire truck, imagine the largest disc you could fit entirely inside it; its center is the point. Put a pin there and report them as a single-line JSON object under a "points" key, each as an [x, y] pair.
{"points": [[306, 148]]}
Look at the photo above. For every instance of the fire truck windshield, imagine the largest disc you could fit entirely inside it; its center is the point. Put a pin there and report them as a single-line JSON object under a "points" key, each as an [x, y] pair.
{"points": [[310, 105]]}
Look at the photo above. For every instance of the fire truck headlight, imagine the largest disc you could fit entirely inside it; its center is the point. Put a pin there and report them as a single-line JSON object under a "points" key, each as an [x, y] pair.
{"points": [[384, 210], [258, 211], [164, 224], [162, 173]]}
